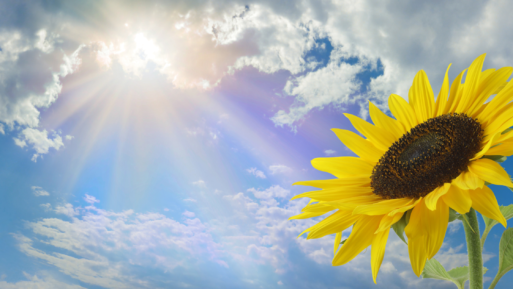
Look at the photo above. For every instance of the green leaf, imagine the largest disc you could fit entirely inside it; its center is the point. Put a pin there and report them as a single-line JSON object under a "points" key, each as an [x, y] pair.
{"points": [[505, 253], [458, 275], [343, 241], [507, 130], [507, 212], [499, 159], [400, 225]]}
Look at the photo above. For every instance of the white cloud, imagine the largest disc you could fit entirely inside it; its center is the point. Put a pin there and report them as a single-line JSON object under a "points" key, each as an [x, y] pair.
{"points": [[333, 85], [189, 214], [166, 210], [454, 226], [279, 169], [273, 192], [191, 200], [329, 152], [199, 183], [39, 140], [91, 199], [256, 173], [67, 209], [30, 81], [88, 246], [39, 192], [35, 282], [47, 207]]}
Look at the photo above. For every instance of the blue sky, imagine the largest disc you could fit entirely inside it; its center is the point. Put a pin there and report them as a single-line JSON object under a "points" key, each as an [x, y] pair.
{"points": [[154, 145]]}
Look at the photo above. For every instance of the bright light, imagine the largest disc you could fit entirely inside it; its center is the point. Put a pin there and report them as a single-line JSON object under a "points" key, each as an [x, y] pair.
{"points": [[146, 49]]}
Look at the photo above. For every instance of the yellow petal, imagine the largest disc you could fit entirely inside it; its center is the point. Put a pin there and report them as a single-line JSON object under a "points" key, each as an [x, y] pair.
{"points": [[426, 231], [324, 184], [436, 225], [490, 171], [379, 244], [319, 207], [421, 97], [495, 125], [361, 237], [458, 199], [432, 198], [505, 148], [338, 237], [402, 111], [382, 207], [418, 253], [441, 100], [471, 84], [492, 129], [337, 222], [485, 149], [405, 208], [501, 99], [489, 86], [383, 121], [484, 201], [333, 194], [455, 92], [360, 146], [351, 203], [381, 138], [342, 167], [306, 215], [415, 226], [387, 221]]}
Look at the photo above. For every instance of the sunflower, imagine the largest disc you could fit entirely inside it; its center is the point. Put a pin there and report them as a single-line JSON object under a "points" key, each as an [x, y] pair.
{"points": [[435, 155]]}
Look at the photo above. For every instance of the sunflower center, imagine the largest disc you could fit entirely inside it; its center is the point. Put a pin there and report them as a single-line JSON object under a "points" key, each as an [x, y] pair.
{"points": [[431, 154]]}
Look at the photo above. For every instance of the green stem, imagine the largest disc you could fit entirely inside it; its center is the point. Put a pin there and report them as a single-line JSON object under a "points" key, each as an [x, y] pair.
{"points": [[475, 260]]}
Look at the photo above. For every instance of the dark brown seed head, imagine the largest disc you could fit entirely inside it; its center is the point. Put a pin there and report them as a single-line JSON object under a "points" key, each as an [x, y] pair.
{"points": [[431, 154]]}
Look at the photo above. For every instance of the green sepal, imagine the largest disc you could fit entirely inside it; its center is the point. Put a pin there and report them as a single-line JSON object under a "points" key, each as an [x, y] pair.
{"points": [[453, 215], [464, 218], [499, 159], [401, 224]]}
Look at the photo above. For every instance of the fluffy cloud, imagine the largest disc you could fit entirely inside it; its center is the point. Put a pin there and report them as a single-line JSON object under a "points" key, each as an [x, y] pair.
{"points": [[279, 169], [88, 246], [273, 192], [256, 173], [39, 192], [189, 214], [39, 141], [30, 80]]}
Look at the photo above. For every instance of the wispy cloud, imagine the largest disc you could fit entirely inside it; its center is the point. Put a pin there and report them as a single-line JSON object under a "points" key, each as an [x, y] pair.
{"points": [[39, 192], [200, 183], [256, 173], [329, 152]]}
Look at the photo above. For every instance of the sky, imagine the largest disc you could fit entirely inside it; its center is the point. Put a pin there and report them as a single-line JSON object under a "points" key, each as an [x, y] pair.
{"points": [[153, 144]]}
